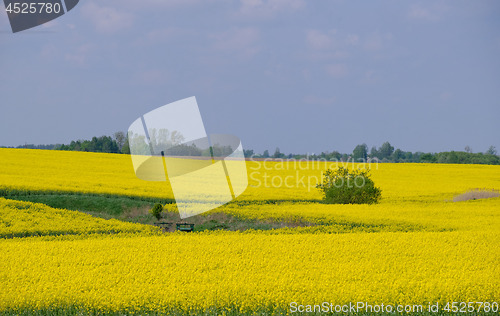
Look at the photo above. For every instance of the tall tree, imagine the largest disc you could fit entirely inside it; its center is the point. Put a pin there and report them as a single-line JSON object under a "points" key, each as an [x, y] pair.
{"points": [[491, 151], [120, 139], [374, 152], [277, 153], [385, 150], [248, 153], [360, 153], [126, 147], [397, 155]]}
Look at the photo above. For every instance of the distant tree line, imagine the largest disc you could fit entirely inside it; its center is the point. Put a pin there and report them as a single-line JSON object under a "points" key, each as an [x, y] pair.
{"points": [[32, 146], [387, 153], [119, 143], [103, 144]]}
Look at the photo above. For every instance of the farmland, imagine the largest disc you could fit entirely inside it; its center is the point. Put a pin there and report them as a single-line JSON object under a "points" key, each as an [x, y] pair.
{"points": [[86, 254]]}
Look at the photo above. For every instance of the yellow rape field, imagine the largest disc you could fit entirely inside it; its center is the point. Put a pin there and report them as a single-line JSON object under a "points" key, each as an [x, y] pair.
{"points": [[96, 173], [249, 271], [477, 215], [91, 173], [414, 247], [21, 219]]}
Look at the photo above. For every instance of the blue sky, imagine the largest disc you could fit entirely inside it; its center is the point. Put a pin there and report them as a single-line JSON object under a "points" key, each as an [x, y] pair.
{"points": [[306, 76]]}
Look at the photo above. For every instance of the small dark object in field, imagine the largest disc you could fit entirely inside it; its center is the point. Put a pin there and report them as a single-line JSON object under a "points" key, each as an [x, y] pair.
{"points": [[185, 227]]}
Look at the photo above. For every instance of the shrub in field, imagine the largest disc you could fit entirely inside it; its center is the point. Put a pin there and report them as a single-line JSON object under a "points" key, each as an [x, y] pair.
{"points": [[342, 186], [156, 211]]}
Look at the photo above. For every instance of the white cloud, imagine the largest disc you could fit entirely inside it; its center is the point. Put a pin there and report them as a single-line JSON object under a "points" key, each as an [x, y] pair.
{"points": [[371, 77], [417, 12], [152, 77], [241, 41], [337, 70], [269, 7], [165, 34], [376, 41], [148, 5], [319, 40], [50, 24], [352, 39], [106, 19], [373, 42], [331, 44], [434, 12], [49, 51], [162, 36], [326, 45], [165, 3], [158, 34], [80, 55]]}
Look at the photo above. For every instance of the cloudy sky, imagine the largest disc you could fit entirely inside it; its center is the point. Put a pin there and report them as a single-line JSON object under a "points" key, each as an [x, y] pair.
{"points": [[306, 76]]}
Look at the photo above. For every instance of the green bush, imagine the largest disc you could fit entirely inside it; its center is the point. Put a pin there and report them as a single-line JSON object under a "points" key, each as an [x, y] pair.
{"points": [[156, 211], [342, 186]]}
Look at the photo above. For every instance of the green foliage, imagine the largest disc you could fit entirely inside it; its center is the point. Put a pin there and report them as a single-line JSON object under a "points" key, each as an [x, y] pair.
{"points": [[360, 153], [156, 211], [33, 146], [398, 155], [429, 158], [120, 138], [126, 147], [103, 144], [342, 186], [185, 150], [221, 151], [491, 151], [385, 150], [248, 153], [461, 157], [278, 154]]}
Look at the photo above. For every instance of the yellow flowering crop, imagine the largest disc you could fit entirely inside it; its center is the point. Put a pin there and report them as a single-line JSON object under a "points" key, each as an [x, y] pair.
{"points": [[477, 215], [20, 219], [113, 174], [47, 171], [414, 247], [202, 271]]}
